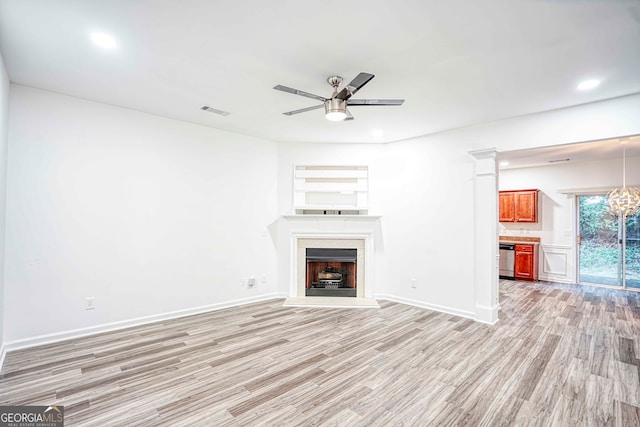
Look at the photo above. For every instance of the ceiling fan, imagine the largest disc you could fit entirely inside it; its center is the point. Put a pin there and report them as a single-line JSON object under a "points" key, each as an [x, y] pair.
{"points": [[335, 107]]}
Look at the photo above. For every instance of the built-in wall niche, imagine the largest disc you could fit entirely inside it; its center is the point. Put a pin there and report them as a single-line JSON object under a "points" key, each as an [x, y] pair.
{"points": [[330, 190]]}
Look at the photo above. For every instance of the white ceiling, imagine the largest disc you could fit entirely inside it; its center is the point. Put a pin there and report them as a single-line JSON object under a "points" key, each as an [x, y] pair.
{"points": [[455, 62]]}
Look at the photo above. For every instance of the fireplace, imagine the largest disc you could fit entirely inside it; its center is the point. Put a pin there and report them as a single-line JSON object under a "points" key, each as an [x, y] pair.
{"points": [[297, 233], [331, 272]]}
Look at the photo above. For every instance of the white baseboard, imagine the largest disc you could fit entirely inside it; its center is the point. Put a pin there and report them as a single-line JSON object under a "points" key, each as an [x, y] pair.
{"points": [[555, 279], [114, 326], [487, 314], [3, 352], [434, 307]]}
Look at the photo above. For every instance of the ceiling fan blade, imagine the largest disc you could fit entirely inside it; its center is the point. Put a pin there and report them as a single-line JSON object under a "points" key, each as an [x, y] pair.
{"points": [[299, 92], [349, 115], [302, 110], [375, 102], [355, 85]]}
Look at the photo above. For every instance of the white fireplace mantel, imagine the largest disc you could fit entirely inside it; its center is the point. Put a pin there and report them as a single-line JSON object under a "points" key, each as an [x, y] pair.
{"points": [[329, 229]]}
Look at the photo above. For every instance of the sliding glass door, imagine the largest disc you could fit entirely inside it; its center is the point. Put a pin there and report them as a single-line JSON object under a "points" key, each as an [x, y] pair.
{"points": [[632, 252], [609, 246]]}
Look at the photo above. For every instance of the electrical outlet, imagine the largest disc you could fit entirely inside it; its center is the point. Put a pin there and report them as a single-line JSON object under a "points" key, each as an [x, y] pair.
{"points": [[90, 303], [413, 283], [243, 281], [251, 282], [264, 278]]}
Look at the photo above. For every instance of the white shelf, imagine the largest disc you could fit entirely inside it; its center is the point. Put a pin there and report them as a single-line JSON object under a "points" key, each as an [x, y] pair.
{"points": [[333, 187], [315, 216], [326, 207], [330, 188], [331, 173]]}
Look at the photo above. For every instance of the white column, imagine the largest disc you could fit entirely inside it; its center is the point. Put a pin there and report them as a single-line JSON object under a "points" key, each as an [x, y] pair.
{"points": [[485, 253]]}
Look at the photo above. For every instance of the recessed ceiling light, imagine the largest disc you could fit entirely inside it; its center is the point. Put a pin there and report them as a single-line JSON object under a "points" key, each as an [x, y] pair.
{"points": [[504, 163], [588, 84], [103, 40], [377, 133]]}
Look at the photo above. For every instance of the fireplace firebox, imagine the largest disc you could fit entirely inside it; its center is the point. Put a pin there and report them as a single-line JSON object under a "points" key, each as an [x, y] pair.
{"points": [[331, 272]]}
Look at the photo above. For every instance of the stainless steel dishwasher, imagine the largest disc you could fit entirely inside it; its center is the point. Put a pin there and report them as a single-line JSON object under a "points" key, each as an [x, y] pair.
{"points": [[507, 260]]}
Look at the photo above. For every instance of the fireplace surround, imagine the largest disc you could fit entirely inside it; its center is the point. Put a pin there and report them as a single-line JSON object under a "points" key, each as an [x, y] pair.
{"points": [[297, 233], [331, 244]]}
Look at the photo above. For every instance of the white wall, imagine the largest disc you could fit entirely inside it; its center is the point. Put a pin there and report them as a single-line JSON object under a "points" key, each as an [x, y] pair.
{"points": [[588, 122], [427, 207], [148, 215], [4, 129], [411, 184], [151, 216], [556, 224]]}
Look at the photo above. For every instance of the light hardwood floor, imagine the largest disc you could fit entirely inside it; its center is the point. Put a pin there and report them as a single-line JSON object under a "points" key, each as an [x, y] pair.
{"points": [[561, 355]]}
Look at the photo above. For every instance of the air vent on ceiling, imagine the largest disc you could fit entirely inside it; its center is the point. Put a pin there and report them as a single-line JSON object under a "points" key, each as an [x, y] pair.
{"points": [[215, 111], [559, 160]]}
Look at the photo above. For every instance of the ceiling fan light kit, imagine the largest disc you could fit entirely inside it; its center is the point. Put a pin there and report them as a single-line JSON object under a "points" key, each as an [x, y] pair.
{"points": [[335, 107]]}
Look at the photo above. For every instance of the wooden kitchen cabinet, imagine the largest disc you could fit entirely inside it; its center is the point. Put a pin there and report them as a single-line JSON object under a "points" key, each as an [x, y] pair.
{"points": [[519, 206], [507, 207], [526, 262]]}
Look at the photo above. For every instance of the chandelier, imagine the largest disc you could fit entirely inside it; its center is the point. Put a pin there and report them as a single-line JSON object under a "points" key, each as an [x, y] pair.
{"points": [[624, 201]]}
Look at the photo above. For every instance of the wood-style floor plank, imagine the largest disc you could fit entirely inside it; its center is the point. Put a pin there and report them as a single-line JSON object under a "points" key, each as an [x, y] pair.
{"points": [[560, 355]]}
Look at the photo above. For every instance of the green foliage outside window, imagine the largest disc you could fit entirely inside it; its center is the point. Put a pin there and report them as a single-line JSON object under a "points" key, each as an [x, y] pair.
{"points": [[599, 233]]}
